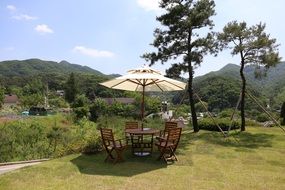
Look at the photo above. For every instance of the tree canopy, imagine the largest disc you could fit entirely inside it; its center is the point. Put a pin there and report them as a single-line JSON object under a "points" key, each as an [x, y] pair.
{"points": [[253, 45], [179, 39]]}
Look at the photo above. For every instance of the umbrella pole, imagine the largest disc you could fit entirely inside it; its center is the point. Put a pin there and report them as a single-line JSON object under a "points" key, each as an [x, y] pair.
{"points": [[142, 106]]}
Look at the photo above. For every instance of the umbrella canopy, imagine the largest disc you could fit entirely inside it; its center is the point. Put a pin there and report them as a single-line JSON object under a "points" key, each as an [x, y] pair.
{"points": [[144, 79]]}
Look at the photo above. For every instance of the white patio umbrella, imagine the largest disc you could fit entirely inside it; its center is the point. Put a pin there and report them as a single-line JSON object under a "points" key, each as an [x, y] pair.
{"points": [[144, 79]]}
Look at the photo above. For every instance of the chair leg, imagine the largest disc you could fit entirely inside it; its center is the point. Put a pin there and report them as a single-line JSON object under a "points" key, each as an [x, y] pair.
{"points": [[165, 158], [119, 157], [173, 154], [109, 155], [161, 150]]}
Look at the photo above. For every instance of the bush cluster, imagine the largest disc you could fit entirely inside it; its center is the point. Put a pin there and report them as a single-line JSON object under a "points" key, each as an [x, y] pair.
{"points": [[46, 137], [224, 123]]}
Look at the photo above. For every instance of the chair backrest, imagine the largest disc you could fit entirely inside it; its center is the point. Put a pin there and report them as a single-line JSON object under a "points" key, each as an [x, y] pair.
{"points": [[107, 136], [169, 125], [131, 125], [174, 135]]}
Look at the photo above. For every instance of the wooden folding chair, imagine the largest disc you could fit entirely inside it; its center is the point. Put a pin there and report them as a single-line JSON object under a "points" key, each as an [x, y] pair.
{"points": [[163, 133], [111, 145], [168, 146], [130, 125]]}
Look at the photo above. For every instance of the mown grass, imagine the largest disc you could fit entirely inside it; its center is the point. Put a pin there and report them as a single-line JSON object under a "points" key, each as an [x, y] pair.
{"points": [[253, 160]]}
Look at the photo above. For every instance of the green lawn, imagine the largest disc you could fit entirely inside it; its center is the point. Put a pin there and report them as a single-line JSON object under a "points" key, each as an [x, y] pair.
{"points": [[206, 161]]}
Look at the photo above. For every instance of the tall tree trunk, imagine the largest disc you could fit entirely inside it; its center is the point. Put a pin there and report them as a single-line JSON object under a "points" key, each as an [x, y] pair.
{"points": [[191, 100], [242, 102], [190, 85]]}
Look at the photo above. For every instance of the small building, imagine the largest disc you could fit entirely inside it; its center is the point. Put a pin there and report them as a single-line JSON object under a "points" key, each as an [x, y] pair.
{"points": [[110, 101], [10, 100]]}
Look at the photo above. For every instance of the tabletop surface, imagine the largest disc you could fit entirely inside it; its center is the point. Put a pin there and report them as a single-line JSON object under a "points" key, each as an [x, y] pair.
{"points": [[144, 131]]}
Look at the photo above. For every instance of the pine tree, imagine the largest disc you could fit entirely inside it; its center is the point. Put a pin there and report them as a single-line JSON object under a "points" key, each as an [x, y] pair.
{"points": [[71, 89], [253, 46], [178, 39]]}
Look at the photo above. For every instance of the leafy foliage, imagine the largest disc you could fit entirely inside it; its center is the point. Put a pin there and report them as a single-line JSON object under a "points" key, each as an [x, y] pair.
{"points": [[46, 137], [71, 89], [219, 92], [224, 123], [33, 93], [98, 108]]}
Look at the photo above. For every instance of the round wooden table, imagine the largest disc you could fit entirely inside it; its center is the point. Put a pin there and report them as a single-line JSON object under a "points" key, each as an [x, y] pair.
{"points": [[142, 146]]}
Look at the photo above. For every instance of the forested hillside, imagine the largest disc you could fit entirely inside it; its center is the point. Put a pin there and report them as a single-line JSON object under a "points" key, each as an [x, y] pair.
{"points": [[268, 86], [220, 89], [32, 67], [16, 76]]}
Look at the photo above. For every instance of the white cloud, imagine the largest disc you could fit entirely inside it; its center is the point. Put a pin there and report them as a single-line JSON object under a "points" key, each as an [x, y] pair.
{"points": [[43, 29], [92, 52], [149, 5], [24, 17], [17, 14], [11, 8]]}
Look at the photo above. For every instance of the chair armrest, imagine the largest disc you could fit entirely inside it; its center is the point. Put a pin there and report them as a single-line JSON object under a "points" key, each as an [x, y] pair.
{"points": [[120, 141], [162, 133]]}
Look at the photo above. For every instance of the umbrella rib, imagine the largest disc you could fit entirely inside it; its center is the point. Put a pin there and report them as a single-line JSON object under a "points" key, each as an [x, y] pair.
{"points": [[171, 84], [118, 83], [138, 83], [154, 82]]}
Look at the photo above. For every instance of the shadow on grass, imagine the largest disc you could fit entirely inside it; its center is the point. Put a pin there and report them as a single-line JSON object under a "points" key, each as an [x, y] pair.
{"points": [[95, 165]]}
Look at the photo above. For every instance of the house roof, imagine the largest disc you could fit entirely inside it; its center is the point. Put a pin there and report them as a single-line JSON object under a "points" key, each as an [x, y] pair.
{"points": [[12, 98]]}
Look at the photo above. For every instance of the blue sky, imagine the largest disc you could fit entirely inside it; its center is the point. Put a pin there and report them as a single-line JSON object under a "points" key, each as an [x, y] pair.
{"points": [[111, 35]]}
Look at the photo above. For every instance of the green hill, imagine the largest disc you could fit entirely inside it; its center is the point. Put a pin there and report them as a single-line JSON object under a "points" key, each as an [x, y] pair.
{"points": [[219, 85], [271, 82], [31, 67]]}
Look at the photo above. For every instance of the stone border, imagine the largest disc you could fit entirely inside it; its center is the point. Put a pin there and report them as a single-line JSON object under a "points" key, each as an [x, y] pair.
{"points": [[23, 162]]}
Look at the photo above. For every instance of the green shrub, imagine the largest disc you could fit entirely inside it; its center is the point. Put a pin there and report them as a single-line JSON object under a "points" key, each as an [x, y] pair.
{"points": [[262, 117], [250, 122], [97, 108], [46, 137], [224, 123], [227, 113], [116, 123], [81, 112], [80, 101]]}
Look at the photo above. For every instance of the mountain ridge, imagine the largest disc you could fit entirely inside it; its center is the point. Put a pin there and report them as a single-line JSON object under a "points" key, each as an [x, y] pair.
{"points": [[30, 67], [272, 80]]}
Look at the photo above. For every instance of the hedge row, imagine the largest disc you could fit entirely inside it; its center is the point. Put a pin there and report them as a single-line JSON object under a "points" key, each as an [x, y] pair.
{"points": [[224, 123]]}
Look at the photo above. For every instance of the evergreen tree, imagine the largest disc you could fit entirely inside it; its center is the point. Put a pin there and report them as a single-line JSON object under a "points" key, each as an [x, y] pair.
{"points": [[71, 89], [33, 93], [253, 46], [178, 39]]}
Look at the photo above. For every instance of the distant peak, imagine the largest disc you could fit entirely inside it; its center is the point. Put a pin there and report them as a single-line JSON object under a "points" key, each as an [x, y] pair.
{"points": [[230, 65], [64, 62]]}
